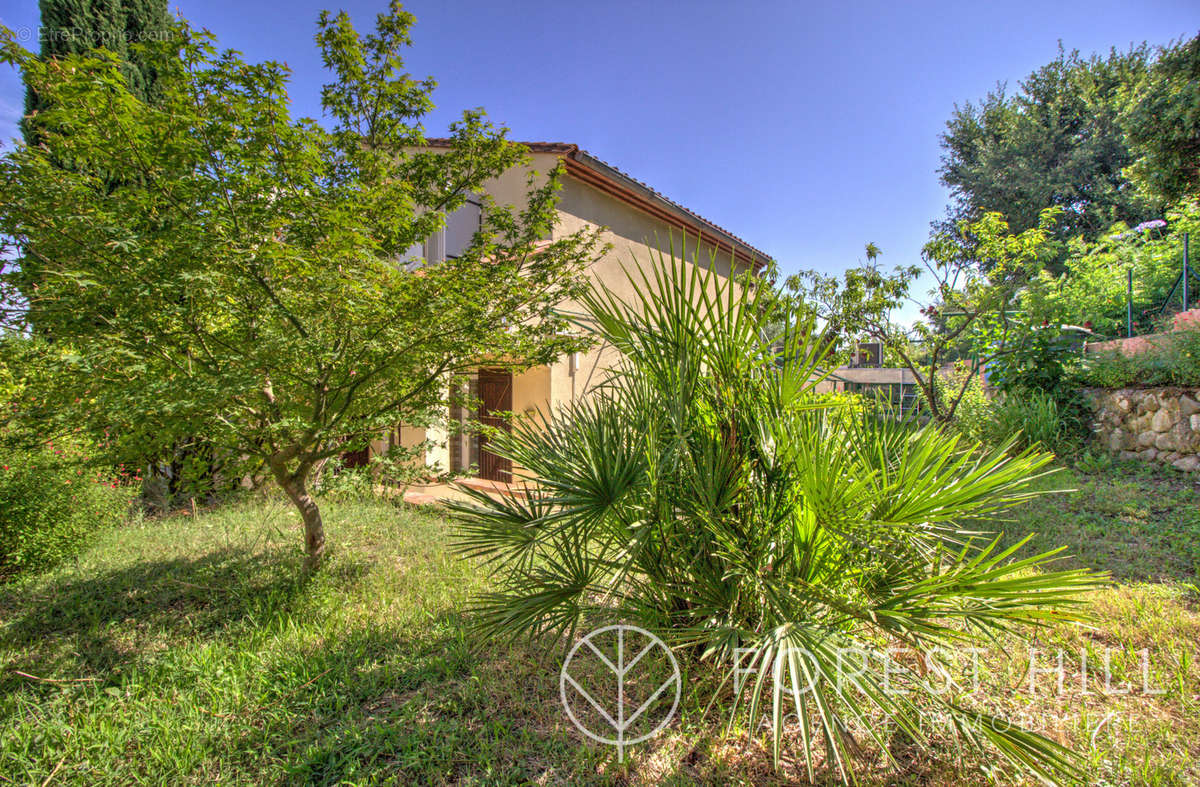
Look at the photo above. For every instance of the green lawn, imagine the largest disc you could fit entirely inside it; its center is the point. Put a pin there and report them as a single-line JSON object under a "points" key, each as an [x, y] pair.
{"points": [[191, 651]]}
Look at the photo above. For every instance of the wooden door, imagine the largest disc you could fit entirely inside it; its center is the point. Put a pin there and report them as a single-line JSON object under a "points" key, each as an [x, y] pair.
{"points": [[495, 402], [359, 458]]}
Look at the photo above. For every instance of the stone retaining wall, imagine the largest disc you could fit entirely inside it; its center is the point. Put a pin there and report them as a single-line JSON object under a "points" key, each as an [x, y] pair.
{"points": [[1151, 424]]}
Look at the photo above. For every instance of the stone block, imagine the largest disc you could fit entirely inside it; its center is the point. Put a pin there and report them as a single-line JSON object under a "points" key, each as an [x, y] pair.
{"points": [[1162, 421], [1188, 405], [1187, 463]]}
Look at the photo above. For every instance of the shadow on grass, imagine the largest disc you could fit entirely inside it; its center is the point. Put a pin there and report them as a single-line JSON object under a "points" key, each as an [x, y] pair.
{"points": [[115, 619], [359, 699], [427, 706]]}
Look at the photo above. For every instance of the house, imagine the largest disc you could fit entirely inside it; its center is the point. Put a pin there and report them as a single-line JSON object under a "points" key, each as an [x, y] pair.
{"points": [[634, 219], [865, 374]]}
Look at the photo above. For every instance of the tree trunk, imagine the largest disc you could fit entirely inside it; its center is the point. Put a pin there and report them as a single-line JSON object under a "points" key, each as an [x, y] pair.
{"points": [[314, 528]]}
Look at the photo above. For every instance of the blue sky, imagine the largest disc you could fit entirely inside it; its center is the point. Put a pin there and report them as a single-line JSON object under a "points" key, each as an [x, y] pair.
{"points": [[807, 129]]}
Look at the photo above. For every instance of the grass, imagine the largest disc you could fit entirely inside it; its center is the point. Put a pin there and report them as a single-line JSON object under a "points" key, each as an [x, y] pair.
{"points": [[197, 651], [1137, 521]]}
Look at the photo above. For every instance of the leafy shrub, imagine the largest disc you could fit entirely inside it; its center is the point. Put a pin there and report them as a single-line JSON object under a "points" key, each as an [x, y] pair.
{"points": [[398, 468], [704, 494], [1022, 420], [1037, 360], [1172, 359], [339, 482], [1093, 287], [1032, 418], [1021, 416], [52, 504], [975, 414]]}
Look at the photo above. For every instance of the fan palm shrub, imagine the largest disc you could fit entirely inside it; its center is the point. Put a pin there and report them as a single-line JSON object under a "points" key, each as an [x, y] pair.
{"points": [[704, 492]]}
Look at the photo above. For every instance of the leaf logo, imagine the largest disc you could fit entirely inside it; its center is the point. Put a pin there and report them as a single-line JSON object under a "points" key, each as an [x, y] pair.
{"points": [[626, 672]]}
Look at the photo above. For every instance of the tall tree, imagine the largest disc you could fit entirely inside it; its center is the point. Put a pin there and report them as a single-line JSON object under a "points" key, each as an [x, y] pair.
{"points": [[244, 279], [1163, 125], [123, 27], [976, 297], [72, 27], [1058, 142]]}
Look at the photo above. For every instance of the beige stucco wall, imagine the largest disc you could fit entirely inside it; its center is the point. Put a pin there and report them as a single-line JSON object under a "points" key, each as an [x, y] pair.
{"points": [[513, 187], [409, 436], [633, 238], [531, 392], [531, 396]]}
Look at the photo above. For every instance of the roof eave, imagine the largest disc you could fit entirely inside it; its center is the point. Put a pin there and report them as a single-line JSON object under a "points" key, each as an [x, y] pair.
{"points": [[618, 184], [599, 174]]}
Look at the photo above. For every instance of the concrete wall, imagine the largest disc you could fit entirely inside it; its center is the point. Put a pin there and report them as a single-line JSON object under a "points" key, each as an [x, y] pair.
{"points": [[1150, 424], [876, 375]]}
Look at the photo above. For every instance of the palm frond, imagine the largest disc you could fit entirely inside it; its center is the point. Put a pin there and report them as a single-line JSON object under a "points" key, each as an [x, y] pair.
{"points": [[705, 492]]}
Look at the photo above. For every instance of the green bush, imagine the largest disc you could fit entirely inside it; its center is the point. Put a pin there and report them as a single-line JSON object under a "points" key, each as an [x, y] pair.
{"points": [[975, 414], [336, 481], [1093, 287], [1038, 360], [51, 505], [1026, 417], [1033, 418], [1173, 359], [397, 469]]}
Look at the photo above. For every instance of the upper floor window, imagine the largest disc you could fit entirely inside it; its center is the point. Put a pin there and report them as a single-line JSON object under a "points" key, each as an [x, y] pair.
{"points": [[461, 226], [451, 240]]}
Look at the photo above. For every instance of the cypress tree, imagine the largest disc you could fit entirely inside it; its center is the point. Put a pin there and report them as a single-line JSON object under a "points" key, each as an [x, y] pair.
{"points": [[72, 27], [77, 26]]}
